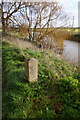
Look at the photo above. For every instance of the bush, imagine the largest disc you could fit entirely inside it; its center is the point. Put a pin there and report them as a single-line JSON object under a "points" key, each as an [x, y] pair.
{"points": [[67, 84]]}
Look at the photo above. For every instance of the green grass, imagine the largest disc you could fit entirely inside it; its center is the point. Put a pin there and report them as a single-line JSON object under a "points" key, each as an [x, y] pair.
{"points": [[41, 99]]}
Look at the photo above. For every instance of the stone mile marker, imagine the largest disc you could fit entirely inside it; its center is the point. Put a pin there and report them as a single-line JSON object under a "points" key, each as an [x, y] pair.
{"points": [[31, 69]]}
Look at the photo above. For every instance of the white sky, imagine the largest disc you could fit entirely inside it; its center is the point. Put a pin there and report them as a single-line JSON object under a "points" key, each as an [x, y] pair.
{"points": [[69, 6]]}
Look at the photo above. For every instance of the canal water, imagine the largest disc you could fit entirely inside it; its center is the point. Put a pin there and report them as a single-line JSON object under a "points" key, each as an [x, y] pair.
{"points": [[71, 51]]}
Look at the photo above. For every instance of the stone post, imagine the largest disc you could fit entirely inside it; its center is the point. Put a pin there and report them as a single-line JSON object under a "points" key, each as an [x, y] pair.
{"points": [[31, 69]]}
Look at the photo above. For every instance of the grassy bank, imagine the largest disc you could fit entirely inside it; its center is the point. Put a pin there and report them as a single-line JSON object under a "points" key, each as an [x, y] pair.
{"points": [[55, 94]]}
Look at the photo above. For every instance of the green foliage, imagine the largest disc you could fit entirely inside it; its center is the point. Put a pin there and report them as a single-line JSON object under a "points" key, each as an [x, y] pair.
{"points": [[68, 95], [37, 100], [70, 113], [47, 114], [67, 84]]}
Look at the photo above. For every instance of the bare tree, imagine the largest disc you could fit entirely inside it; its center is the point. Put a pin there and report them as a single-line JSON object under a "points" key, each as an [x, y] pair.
{"points": [[36, 17], [9, 13], [39, 17]]}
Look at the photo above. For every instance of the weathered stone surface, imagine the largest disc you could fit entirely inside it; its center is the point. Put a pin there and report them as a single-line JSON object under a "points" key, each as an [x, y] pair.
{"points": [[31, 69]]}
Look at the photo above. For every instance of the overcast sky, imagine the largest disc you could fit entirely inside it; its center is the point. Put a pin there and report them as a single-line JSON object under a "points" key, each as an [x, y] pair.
{"points": [[70, 7]]}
